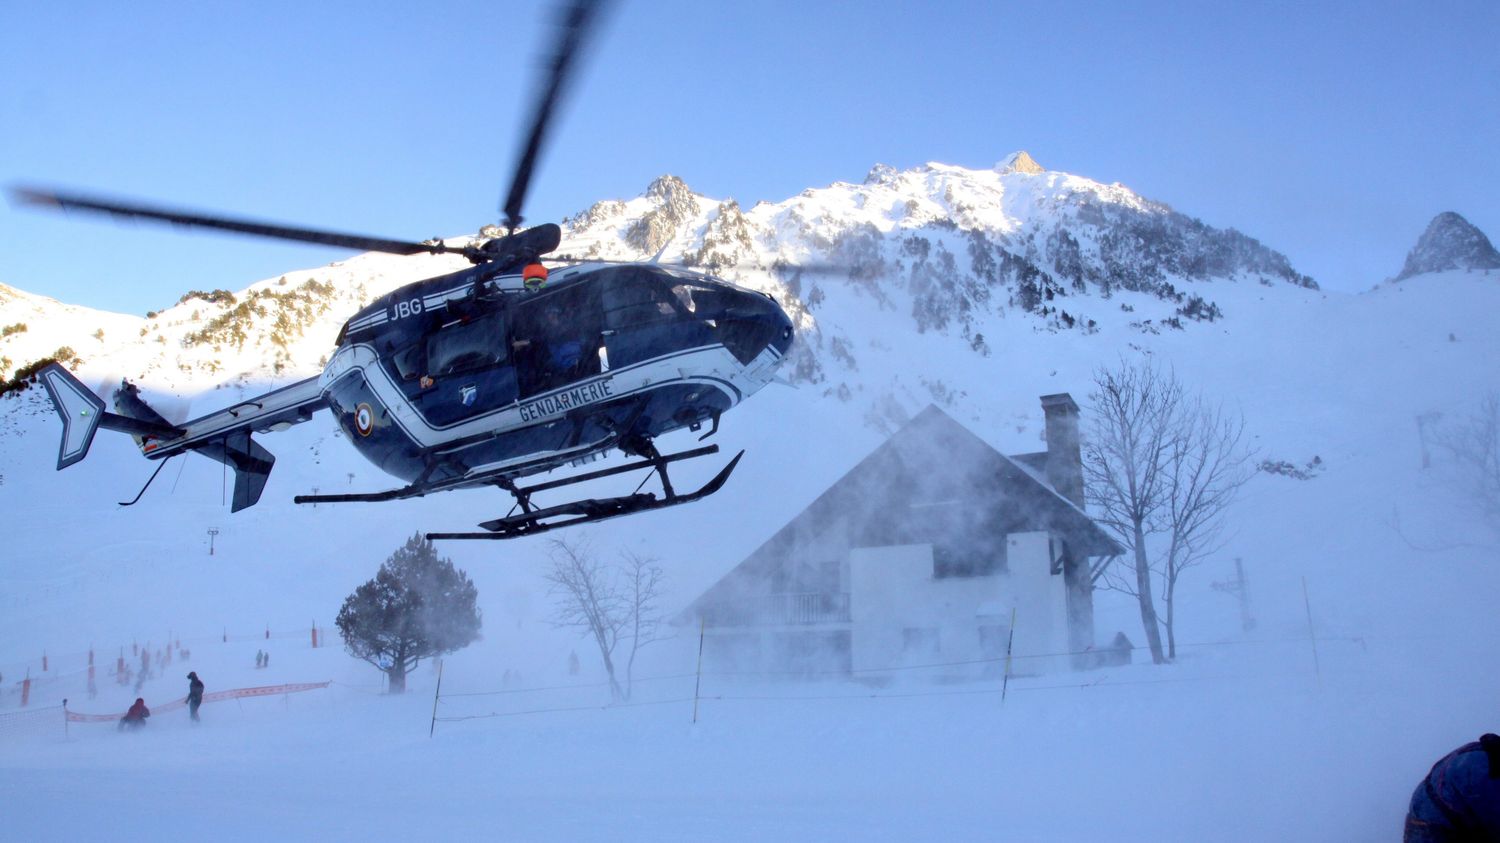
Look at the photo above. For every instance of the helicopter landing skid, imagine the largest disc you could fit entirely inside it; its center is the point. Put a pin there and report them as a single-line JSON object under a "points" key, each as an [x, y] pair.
{"points": [[530, 522]]}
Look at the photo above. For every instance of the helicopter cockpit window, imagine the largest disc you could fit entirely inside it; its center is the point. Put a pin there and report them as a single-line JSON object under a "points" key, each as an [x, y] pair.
{"points": [[684, 295], [703, 302], [466, 346], [639, 296], [650, 312]]}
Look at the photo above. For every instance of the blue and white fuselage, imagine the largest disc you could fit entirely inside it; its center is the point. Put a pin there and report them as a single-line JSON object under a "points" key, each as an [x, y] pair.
{"points": [[470, 379], [657, 349]]}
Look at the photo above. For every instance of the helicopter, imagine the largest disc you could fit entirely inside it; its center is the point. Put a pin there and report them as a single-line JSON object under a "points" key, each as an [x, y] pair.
{"points": [[485, 376]]}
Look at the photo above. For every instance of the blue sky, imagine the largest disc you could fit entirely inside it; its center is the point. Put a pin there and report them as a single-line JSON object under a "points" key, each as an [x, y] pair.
{"points": [[1332, 132]]}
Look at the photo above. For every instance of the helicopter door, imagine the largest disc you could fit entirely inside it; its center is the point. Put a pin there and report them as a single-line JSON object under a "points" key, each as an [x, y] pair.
{"points": [[557, 339], [468, 371]]}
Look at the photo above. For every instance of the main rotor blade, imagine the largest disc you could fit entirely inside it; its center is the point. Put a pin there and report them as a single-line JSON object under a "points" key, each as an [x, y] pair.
{"points": [[781, 267], [44, 198], [576, 21]]}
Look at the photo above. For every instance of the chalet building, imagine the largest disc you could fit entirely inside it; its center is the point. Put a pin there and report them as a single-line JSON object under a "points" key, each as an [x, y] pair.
{"points": [[920, 556]]}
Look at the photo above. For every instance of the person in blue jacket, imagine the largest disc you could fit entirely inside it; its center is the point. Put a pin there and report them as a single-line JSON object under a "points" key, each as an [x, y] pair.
{"points": [[195, 695], [1460, 799]]}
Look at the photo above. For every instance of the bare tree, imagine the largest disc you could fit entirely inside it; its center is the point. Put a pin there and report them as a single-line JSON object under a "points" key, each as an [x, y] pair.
{"points": [[1160, 465], [1133, 436], [642, 592], [608, 603], [1206, 468]]}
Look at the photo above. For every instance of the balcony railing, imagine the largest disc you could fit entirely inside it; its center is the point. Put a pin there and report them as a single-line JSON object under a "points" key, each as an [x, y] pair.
{"points": [[776, 609]]}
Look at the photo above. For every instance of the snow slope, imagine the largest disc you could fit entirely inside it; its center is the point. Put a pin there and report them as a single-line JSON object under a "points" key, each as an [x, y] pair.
{"points": [[1242, 739]]}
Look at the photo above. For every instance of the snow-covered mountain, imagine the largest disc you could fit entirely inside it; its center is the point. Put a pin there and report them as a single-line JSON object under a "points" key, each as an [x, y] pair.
{"points": [[958, 255], [934, 285], [979, 290], [1450, 242]]}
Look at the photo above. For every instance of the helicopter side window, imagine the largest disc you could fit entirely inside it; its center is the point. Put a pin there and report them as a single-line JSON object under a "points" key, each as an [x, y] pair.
{"points": [[408, 361], [465, 347], [467, 371]]}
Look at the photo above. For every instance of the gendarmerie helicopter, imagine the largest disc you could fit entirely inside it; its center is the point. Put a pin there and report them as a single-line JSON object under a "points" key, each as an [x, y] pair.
{"points": [[484, 376]]}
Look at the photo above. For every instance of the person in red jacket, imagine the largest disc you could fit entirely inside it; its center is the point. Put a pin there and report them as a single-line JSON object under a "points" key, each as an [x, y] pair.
{"points": [[135, 718]]}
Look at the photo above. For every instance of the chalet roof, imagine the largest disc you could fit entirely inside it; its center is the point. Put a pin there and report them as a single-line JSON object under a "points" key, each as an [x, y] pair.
{"points": [[933, 473]]}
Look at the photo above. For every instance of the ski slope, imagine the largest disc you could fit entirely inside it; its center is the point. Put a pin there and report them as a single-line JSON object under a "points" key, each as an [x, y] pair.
{"points": [[1249, 736]]}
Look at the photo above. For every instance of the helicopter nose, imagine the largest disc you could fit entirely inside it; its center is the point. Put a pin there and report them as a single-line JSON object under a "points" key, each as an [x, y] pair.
{"points": [[755, 322], [782, 339]]}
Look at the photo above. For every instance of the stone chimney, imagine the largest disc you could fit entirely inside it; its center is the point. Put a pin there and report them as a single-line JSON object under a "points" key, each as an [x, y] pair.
{"points": [[1064, 465], [1064, 454]]}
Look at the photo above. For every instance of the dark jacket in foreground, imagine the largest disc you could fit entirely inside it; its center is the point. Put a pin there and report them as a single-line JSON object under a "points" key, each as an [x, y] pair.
{"points": [[1460, 799]]}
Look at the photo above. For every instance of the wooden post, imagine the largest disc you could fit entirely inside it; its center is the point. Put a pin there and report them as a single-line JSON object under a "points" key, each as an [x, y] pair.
{"points": [[1247, 622], [698, 683], [432, 726], [1010, 641], [1312, 635]]}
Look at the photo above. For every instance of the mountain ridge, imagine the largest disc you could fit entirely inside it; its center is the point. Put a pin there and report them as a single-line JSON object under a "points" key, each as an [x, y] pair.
{"points": [[966, 255]]}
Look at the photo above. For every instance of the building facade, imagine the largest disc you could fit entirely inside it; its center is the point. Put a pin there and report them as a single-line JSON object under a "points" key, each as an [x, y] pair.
{"points": [[917, 562]]}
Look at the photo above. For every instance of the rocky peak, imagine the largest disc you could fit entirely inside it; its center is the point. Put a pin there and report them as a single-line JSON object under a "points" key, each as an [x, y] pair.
{"points": [[727, 239], [669, 190], [596, 214], [674, 205], [1019, 162], [1450, 242], [881, 174]]}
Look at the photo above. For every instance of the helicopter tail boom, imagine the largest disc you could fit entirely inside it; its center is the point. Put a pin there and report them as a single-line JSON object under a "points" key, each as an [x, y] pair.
{"points": [[83, 414], [223, 436]]}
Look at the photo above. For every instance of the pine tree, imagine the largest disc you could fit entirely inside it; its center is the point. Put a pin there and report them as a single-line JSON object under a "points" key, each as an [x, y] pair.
{"points": [[418, 606]]}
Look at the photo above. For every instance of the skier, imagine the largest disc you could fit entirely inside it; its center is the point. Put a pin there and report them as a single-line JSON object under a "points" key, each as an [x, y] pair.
{"points": [[1460, 798], [195, 695], [135, 718]]}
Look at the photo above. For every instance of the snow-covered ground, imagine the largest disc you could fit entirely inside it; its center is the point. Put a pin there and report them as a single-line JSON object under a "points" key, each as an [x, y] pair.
{"points": [[1232, 744], [1242, 739]]}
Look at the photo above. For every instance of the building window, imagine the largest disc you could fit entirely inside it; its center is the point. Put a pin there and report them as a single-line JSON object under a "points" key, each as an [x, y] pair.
{"points": [[919, 641], [992, 640], [974, 560], [811, 653]]}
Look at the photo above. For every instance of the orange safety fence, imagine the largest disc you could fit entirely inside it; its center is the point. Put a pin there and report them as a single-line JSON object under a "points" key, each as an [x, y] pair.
{"points": [[216, 696], [47, 665], [34, 721]]}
